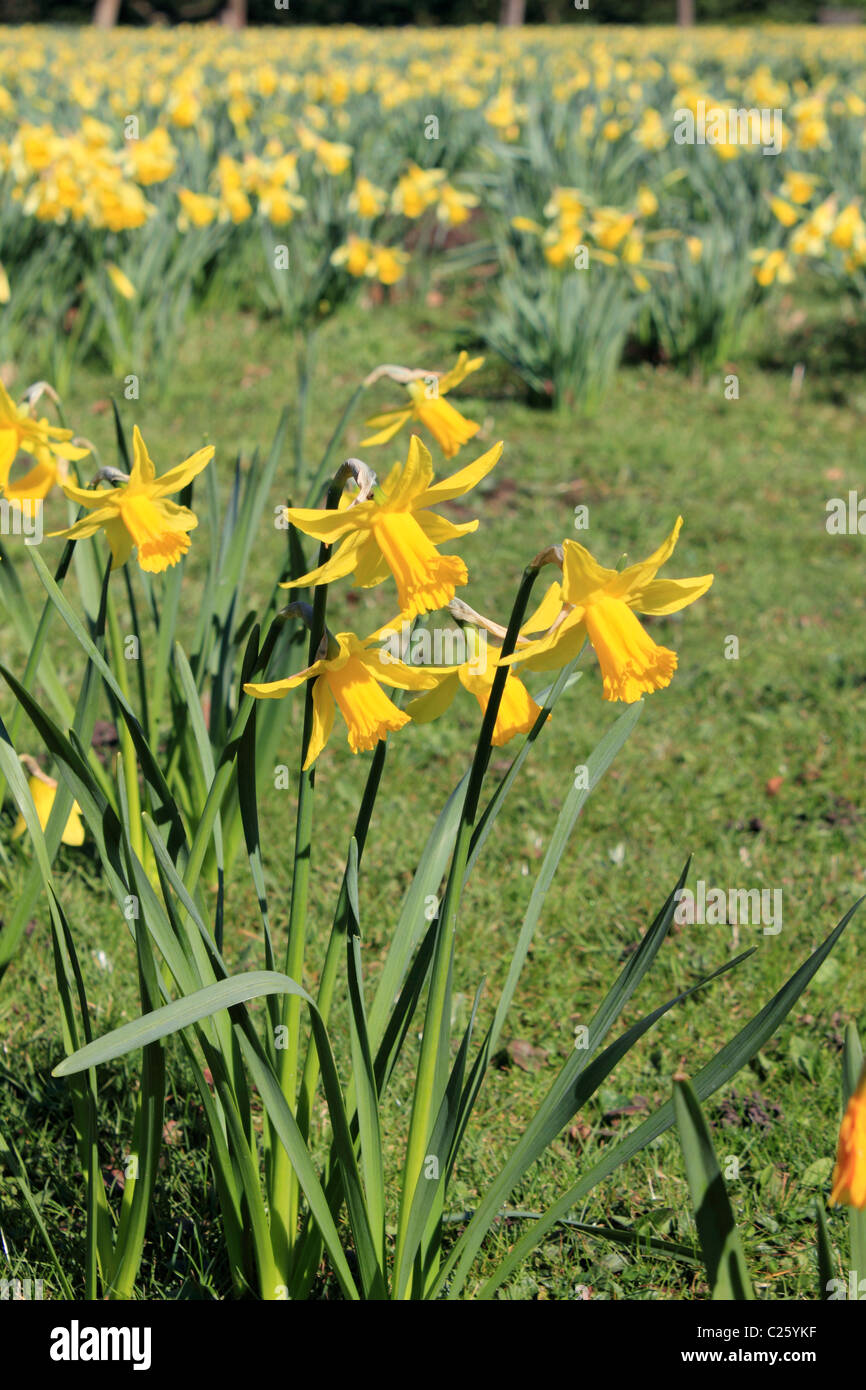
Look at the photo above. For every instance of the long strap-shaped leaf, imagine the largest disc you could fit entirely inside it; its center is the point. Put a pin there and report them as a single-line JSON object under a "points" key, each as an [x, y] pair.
{"points": [[726, 1063], [568, 1094], [725, 1261]]}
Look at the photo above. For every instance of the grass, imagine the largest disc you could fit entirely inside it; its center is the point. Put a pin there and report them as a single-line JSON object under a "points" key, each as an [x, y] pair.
{"points": [[750, 765]]}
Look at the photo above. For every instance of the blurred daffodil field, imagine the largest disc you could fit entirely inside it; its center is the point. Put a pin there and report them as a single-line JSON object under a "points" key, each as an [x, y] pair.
{"points": [[433, 684]]}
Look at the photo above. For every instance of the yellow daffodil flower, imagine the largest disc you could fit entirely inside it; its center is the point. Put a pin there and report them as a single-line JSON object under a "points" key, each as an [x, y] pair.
{"points": [[449, 428], [849, 1174], [137, 513], [44, 790], [351, 675], [396, 532], [366, 199], [600, 604], [19, 430], [517, 711]]}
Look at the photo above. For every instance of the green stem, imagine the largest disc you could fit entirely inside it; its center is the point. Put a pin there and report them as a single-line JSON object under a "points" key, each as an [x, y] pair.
{"points": [[285, 1194], [436, 1019], [127, 747]]}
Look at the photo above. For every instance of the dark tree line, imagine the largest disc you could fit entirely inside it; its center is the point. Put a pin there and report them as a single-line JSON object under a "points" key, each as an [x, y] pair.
{"points": [[421, 12]]}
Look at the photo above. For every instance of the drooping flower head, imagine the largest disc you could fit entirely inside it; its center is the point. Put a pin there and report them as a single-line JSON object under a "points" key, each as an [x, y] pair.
{"points": [[350, 676], [849, 1174], [396, 532], [600, 604], [449, 428], [517, 711], [136, 514], [19, 431]]}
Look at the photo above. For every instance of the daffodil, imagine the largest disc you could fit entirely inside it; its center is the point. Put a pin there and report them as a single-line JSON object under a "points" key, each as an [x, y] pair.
{"points": [[449, 428], [19, 430], [600, 604], [396, 532], [849, 1174], [517, 711], [350, 676], [44, 790], [137, 513]]}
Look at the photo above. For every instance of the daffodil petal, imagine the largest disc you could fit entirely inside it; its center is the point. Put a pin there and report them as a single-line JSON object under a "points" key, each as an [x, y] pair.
{"points": [[461, 481], [371, 567], [556, 650], [635, 578], [337, 567], [395, 420], [663, 596], [87, 525], [438, 529], [275, 690], [119, 540], [415, 477], [178, 477], [87, 496], [323, 721], [546, 613], [459, 372], [582, 575], [390, 672], [327, 525], [143, 470], [425, 708]]}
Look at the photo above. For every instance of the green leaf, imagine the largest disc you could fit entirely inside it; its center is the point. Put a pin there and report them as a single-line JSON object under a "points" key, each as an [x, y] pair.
{"points": [[724, 1065], [225, 994], [724, 1259]]}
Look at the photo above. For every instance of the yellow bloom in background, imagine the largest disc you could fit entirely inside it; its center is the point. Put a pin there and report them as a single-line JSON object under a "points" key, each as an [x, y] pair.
{"points": [[5, 292], [600, 604], [366, 199], [416, 190], [19, 430], [355, 254], [784, 212], [152, 158], [647, 203], [121, 282], [137, 514], [517, 711], [454, 207], [44, 790], [199, 209], [397, 534], [49, 470], [387, 264], [849, 1174], [799, 187], [449, 428], [771, 265], [350, 676]]}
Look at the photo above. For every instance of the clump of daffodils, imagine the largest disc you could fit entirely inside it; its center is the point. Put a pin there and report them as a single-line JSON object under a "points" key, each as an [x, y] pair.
{"points": [[390, 531]]}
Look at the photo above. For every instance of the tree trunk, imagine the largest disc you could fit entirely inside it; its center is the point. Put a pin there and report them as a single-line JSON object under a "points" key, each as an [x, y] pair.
{"points": [[234, 16], [512, 12], [105, 13], [686, 13]]}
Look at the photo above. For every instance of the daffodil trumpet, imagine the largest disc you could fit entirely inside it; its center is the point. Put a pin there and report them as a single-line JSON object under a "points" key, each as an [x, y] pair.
{"points": [[600, 604], [394, 531]]}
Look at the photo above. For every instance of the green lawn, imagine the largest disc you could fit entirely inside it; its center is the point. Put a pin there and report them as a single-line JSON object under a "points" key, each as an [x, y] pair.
{"points": [[753, 766]]}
